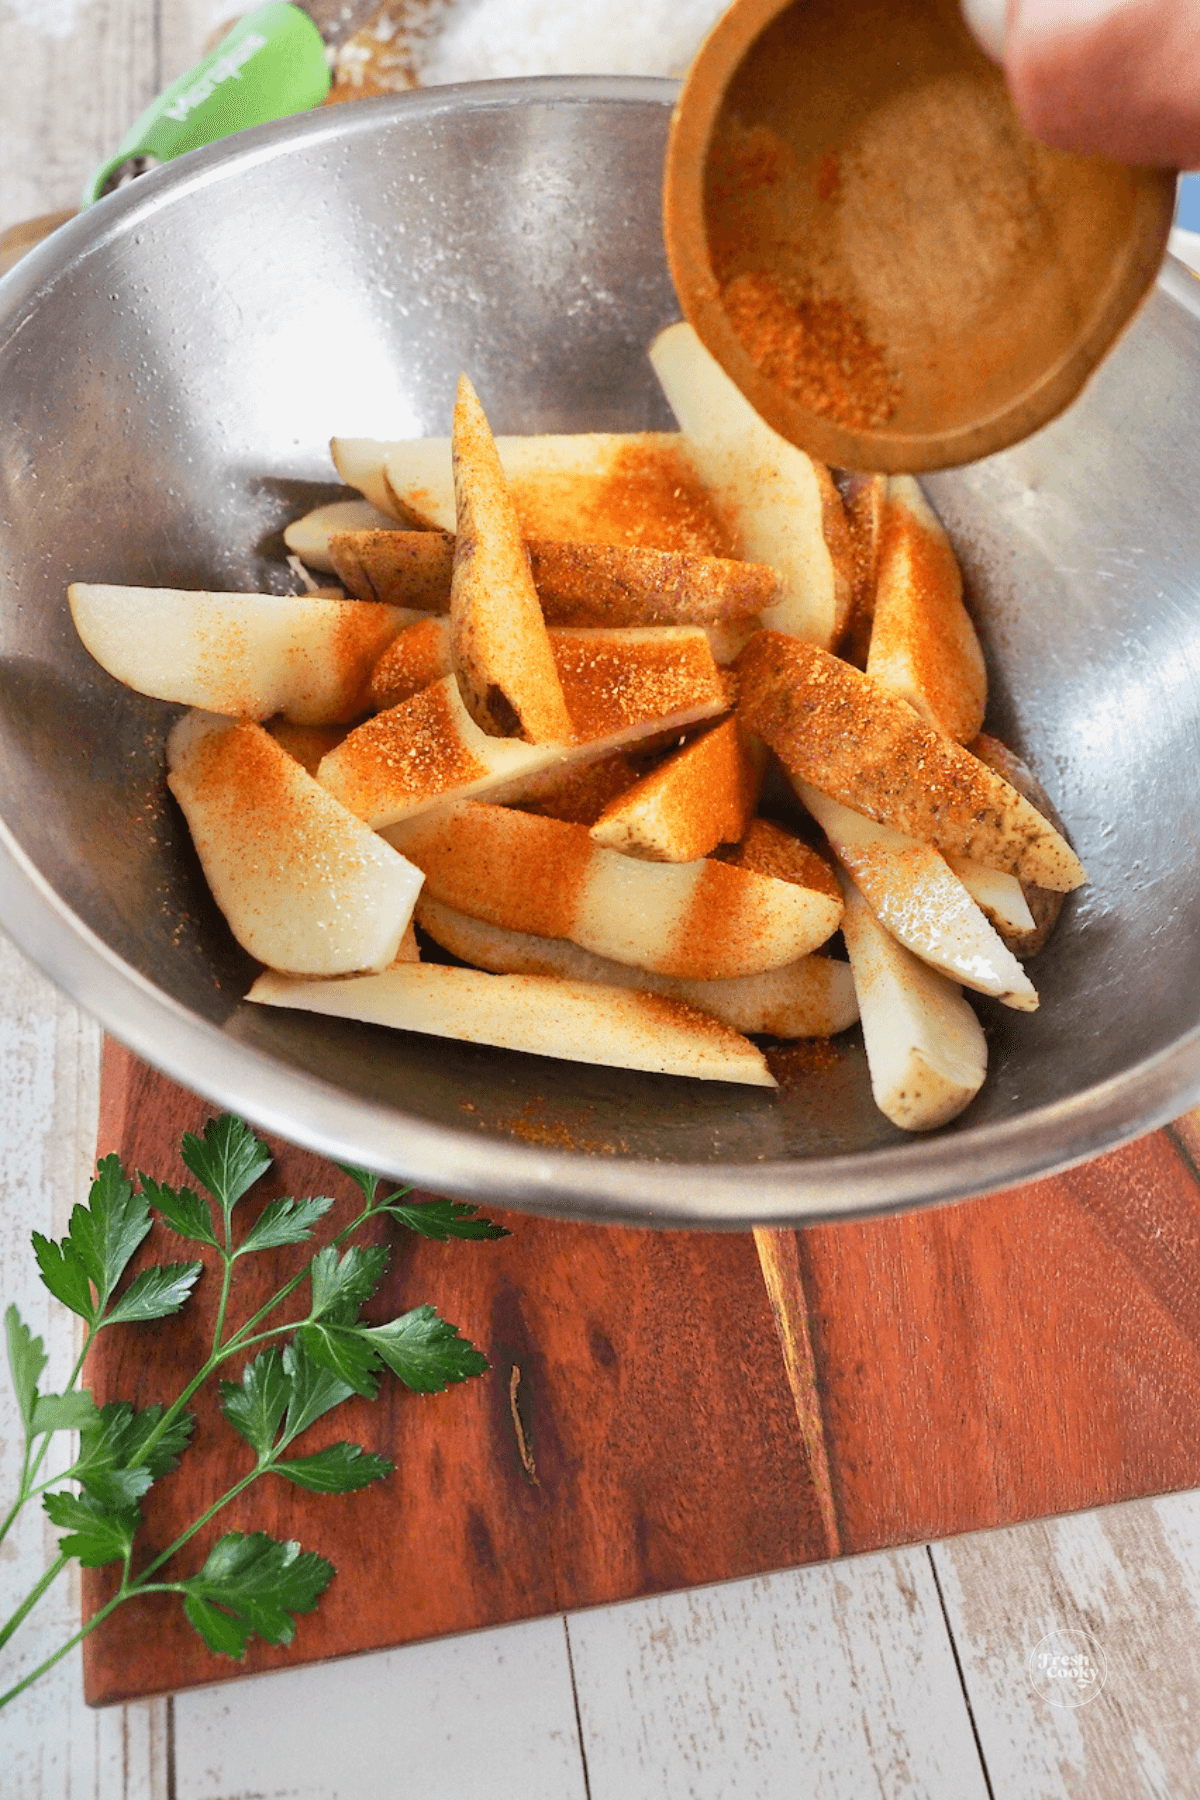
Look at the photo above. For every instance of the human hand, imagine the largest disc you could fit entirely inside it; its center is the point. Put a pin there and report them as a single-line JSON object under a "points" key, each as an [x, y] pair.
{"points": [[1116, 78]]}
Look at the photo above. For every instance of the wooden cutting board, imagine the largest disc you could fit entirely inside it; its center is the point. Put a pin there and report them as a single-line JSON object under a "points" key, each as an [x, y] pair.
{"points": [[671, 1408]]}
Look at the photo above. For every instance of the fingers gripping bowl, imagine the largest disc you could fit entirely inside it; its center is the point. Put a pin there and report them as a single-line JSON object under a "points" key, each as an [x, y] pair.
{"points": [[174, 364]]}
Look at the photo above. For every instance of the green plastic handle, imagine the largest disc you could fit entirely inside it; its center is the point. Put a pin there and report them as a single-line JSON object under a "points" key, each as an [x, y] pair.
{"points": [[271, 64]]}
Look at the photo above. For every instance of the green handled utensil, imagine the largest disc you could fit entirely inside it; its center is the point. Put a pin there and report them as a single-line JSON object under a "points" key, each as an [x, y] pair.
{"points": [[272, 63]]}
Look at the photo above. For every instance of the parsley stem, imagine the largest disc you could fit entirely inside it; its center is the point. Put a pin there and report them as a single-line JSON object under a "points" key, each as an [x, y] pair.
{"points": [[239, 1487], [64, 1649], [239, 1340], [32, 1597]]}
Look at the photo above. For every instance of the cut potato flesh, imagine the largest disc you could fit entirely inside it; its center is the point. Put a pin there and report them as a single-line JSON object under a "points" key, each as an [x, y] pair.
{"points": [[611, 680], [783, 506], [577, 584], [847, 736], [923, 645], [246, 655], [999, 897], [926, 1051], [592, 487], [498, 640], [918, 898], [702, 796], [536, 1014], [703, 920], [311, 537], [810, 998], [305, 886], [428, 747]]}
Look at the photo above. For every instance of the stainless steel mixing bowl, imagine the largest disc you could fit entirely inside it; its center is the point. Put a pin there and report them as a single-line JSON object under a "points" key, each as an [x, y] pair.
{"points": [[172, 365]]}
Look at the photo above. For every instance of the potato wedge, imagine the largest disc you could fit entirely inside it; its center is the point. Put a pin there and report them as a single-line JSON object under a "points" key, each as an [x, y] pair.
{"points": [[498, 640], [534, 1013], [304, 886], [702, 796], [810, 998], [847, 736], [923, 645], [311, 537], [1000, 898], [246, 655], [866, 499], [704, 921], [416, 754], [782, 505], [926, 1051], [635, 488], [577, 584], [1043, 903], [917, 897]]}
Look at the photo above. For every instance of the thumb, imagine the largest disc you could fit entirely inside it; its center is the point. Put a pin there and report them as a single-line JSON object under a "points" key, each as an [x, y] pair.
{"points": [[1114, 78]]}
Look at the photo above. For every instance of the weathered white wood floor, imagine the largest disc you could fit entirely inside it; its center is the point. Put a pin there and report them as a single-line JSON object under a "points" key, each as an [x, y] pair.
{"points": [[892, 1675]]}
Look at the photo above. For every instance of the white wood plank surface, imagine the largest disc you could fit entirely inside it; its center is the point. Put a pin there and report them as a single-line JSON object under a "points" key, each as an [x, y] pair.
{"points": [[51, 1746], [469, 1718], [1127, 1576], [833, 1683]]}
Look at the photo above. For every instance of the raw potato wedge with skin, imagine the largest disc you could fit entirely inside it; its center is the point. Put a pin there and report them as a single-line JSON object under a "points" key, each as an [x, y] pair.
{"points": [[311, 537], [866, 499], [246, 655], [917, 897], [704, 921], [304, 886], [783, 505], [847, 736], [590, 487], [498, 640], [923, 645], [1044, 905], [611, 681], [418, 754], [926, 1051], [702, 796], [810, 998], [536, 1014], [578, 584], [999, 898]]}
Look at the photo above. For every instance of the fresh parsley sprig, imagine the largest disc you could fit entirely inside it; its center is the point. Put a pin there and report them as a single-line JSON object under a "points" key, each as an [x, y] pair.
{"points": [[249, 1583]]}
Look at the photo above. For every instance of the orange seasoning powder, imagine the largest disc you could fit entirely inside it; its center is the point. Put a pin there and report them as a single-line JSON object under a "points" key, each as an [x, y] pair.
{"points": [[815, 349]]}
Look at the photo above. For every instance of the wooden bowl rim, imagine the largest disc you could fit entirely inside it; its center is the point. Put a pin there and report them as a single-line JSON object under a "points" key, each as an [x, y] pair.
{"points": [[1134, 268]]}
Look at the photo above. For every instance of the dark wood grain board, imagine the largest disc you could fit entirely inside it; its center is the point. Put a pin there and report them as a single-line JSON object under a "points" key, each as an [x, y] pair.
{"points": [[671, 1408]]}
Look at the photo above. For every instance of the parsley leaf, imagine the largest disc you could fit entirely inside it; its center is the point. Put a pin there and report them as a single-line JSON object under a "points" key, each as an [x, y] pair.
{"points": [[26, 1358], [156, 1293], [112, 1463], [424, 1350], [73, 1411], [343, 1352], [227, 1160], [442, 1219], [255, 1405], [283, 1222], [341, 1285], [316, 1390], [64, 1274], [253, 1584], [105, 1233], [182, 1208], [335, 1470], [367, 1183], [97, 1534]]}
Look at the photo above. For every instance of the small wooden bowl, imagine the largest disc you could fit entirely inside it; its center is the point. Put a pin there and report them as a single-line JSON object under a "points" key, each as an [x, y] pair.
{"points": [[917, 283]]}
